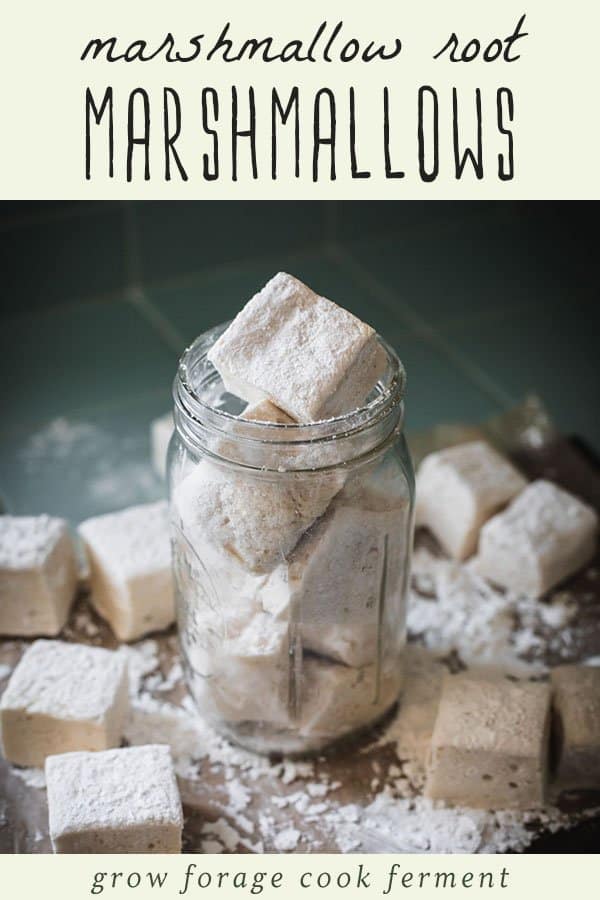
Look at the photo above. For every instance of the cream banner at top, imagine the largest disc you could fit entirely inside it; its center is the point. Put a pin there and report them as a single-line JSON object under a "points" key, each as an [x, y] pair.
{"points": [[381, 100]]}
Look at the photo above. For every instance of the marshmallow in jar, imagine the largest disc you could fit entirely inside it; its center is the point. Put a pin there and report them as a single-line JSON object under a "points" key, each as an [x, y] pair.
{"points": [[291, 493]]}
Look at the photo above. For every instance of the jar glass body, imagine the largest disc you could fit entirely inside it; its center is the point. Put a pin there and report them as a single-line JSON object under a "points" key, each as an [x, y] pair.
{"points": [[291, 554]]}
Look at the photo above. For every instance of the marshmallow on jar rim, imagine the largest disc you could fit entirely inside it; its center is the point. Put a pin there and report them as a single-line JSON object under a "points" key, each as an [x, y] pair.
{"points": [[308, 356], [38, 575], [459, 488], [542, 537]]}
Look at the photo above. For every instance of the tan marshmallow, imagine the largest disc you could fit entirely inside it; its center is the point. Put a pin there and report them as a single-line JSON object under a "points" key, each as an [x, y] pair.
{"points": [[63, 697], [130, 563], [333, 586], [257, 517], [490, 743], [576, 702], [118, 801], [336, 699], [38, 575]]}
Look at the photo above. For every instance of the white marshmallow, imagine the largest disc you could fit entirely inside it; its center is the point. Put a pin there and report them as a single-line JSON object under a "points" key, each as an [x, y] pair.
{"points": [[305, 354], [458, 489], [257, 517], [161, 430], [63, 697], [130, 562], [544, 535], [118, 801], [38, 575]]}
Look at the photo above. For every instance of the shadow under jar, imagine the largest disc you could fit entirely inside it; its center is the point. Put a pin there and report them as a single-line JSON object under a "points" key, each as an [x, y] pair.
{"points": [[291, 555]]}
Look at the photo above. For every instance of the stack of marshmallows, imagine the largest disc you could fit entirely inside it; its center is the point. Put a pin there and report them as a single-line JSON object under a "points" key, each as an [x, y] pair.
{"points": [[279, 567]]}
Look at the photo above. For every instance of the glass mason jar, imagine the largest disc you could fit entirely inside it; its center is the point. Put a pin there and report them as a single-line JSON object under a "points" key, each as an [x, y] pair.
{"points": [[291, 554]]}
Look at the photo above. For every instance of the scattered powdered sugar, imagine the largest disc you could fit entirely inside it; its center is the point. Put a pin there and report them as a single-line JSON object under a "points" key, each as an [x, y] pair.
{"points": [[35, 778], [258, 803], [59, 440], [103, 469], [398, 819], [287, 840], [419, 825], [453, 609]]}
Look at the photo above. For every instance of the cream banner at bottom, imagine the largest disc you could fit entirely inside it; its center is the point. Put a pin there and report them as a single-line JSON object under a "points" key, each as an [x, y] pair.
{"points": [[331, 877]]}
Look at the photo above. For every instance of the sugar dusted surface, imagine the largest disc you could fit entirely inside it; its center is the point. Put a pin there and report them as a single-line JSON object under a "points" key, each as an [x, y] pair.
{"points": [[539, 518], [117, 789], [26, 541], [293, 347], [66, 681], [135, 540], [483, 468], [492, 714]]}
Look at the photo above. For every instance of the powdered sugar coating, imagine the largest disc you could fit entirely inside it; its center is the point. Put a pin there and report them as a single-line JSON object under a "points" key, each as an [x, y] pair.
{"points": [[307, 355], [130, 562], [136, 539], [459, 488], [38, 575], [115, 790], [65, 681], [542, 537], [27, 541], [258, 518]]}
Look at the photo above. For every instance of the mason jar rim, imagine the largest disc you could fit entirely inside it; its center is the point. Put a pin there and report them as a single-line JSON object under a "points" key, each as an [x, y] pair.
{"points": [[196, 413]]}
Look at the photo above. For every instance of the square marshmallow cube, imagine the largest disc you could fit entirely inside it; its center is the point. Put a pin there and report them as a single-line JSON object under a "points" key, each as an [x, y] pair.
{"points": [[38, 575], [490, 743], [63, 697], [330, 586], [130, 562], [458, 489], [258, 518], [161, 430], [310, 357], [576, 702], [544, 535], [118, 801]]}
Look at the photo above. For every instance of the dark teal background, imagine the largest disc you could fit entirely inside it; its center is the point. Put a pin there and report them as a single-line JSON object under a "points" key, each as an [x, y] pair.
{"points": [[484, 302]]}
